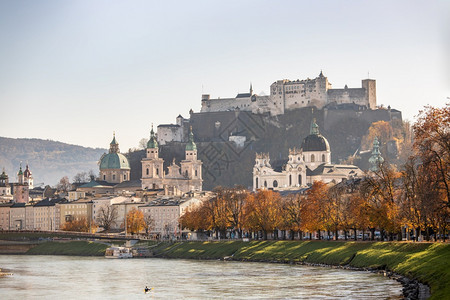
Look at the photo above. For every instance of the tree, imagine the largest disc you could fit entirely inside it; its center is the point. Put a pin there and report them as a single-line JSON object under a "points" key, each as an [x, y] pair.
{"points": [[233, 201], [149, 223], [432, 143], [263, 211], [135, 221], [64, 185], [79, 225], [292, 208], [313, 210], [381, 129], [83, 177], [107, 216], [384, 200], [143, 143]]}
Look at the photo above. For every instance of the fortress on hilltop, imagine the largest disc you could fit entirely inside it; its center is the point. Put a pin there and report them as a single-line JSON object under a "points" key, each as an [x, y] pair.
{"points": [[286, 95]]}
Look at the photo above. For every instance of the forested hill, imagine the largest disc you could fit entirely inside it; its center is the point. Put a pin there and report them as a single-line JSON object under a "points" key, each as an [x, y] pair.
{"points": [[49, 160]]}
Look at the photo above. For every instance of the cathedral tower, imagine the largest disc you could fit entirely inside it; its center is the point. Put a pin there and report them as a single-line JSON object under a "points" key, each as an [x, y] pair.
{"points": [[191, 167], [152, 165]]}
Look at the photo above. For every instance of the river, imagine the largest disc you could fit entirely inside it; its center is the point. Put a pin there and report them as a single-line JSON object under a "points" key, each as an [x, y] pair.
{"points": [[67, 277]]}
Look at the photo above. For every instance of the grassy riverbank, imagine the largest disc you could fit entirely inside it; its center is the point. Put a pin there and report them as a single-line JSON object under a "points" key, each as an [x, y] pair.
{"points": [[77, 248], [426, 262]]}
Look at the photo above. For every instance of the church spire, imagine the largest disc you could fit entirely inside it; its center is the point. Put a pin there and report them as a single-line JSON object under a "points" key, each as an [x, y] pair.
{"points": [[314, 127], [152, 142], [191, 146], [114, 145], [376, 159]]}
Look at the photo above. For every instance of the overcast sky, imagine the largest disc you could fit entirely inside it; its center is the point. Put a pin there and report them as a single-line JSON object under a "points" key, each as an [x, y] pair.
{"points": [[75, 71]]}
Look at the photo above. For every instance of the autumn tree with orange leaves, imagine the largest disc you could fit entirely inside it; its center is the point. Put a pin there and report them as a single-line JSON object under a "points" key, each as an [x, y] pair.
{"points": [[135, 221], [263, 212], [79, 225]]}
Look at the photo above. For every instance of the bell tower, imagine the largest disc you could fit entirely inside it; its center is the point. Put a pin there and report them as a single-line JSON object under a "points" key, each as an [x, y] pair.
{"points": [[191, 167], [152, 165]]}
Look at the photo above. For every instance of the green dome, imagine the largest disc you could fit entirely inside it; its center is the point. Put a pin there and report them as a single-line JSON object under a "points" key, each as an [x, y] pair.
{"points": [[114, 161]]}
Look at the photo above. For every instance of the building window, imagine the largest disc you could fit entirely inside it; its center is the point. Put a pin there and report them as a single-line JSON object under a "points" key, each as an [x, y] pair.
{"points": [[312, 158], [300, 179], [290, 180], [265, 183], [114, 176], [124, 176], [186, 173], [157, 171], [195, 173], [323, 157], [256, 182], [104, 177], [275, 183], [147, 171]]}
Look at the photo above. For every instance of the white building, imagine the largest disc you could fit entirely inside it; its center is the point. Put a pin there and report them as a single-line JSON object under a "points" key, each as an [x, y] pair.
{"points": [[165, 213], [311, 163], [288, 95]]}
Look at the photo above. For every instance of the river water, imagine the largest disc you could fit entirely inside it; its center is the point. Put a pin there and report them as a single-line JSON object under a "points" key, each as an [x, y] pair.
{"points": [[66, 277]]}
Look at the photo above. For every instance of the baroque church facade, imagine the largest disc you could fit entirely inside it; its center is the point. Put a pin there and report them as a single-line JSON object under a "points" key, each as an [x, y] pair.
{"points": [[312, 162], [186, 177]]}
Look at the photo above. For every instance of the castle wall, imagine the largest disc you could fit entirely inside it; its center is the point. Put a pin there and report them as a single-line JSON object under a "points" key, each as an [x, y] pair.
{"points": [[169, 133], [286, 95], [226, 104]]}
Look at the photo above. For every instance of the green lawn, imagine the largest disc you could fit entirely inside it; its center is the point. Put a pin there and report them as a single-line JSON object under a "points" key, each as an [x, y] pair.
{"points": [[427, 262]]}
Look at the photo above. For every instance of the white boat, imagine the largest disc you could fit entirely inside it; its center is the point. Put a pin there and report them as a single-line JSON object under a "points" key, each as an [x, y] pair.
{"points": [[118, 252]]}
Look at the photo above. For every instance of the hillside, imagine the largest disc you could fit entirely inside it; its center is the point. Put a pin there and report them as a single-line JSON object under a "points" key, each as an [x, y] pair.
{"points": [[227, 164], [49, 160]]}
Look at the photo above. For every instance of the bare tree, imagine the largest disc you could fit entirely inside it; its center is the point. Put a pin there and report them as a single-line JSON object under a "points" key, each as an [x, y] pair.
{"points": [[143, 143], [81, 177], [64, 185], [149, 223], [107, 216]]}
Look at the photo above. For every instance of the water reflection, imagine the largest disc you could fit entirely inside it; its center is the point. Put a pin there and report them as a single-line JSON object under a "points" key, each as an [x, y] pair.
{"points": [[59, 277]]}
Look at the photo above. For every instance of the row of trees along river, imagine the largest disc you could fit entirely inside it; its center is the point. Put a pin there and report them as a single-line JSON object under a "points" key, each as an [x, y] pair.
{"points": [[414, 196]]}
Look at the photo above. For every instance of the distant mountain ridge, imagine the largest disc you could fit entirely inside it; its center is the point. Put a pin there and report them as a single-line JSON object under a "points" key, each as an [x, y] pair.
{"points": [[49, 160]]}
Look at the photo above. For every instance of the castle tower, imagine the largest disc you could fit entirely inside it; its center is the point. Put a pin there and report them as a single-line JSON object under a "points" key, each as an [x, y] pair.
{"points": [[114, 166], [191, 167], [371, 92], [376, 159], [152, 165]]}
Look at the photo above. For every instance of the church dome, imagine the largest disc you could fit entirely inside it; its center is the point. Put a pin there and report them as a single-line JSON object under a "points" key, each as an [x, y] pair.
{"points": [[114, 161], [315, 141]]}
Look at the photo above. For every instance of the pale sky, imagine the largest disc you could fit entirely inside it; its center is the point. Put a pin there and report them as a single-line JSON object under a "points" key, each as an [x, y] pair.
{"points": [[75, 71]]}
